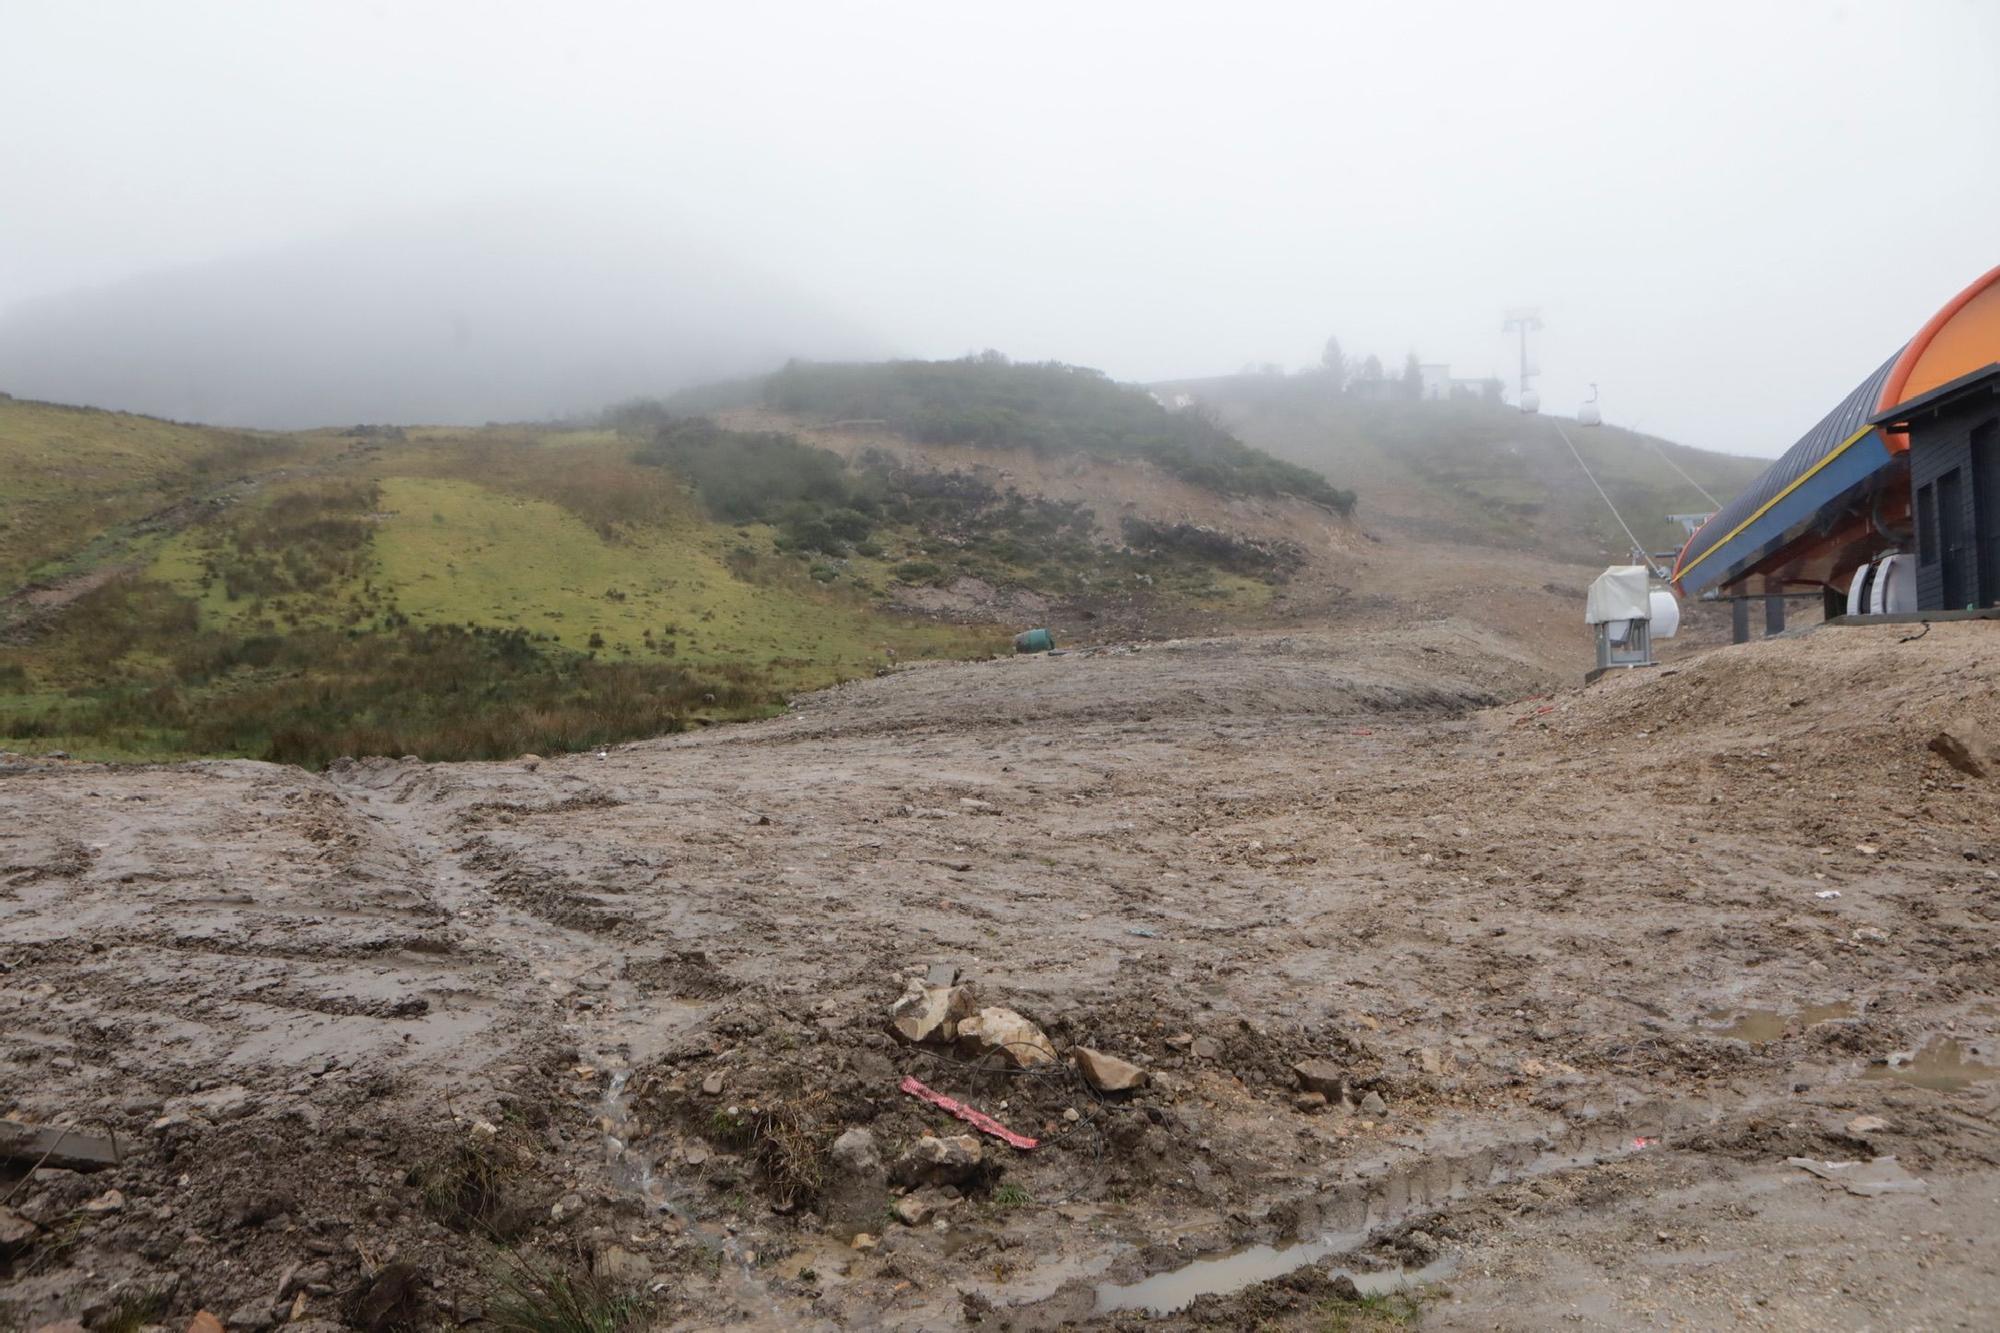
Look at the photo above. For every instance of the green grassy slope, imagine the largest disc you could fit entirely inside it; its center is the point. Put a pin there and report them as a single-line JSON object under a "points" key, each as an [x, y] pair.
{"points": [[73, 477], [480, 593], [454, 594], [1477, 472], [454, 551]]}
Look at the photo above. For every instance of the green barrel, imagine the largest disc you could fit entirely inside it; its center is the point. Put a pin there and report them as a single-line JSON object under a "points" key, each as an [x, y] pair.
{"points": [[1034, 641]]}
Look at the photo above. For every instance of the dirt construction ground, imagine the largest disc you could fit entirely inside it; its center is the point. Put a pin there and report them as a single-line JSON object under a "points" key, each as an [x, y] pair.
{"points": [[1464, 997]]}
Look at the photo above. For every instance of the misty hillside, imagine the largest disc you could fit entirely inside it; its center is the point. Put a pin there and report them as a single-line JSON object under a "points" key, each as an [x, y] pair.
{"points": [[464, 320], [483, 591], [1477, 472], [479, 592], [988, 402]]}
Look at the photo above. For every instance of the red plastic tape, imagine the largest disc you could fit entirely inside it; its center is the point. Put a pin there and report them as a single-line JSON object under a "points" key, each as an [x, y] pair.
{"points": [[977, 1119]]}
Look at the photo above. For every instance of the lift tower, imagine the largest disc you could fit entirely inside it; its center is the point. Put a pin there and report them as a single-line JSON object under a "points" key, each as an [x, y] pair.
{"points": [[1525, 320]]}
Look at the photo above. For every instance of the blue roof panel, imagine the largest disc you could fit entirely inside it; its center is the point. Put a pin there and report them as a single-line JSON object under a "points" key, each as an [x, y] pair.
{"points": [[1816, 472]]}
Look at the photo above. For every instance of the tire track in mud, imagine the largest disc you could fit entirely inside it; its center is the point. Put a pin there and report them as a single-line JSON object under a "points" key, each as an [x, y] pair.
{"points": [[1459, 910], [612, 1007]]}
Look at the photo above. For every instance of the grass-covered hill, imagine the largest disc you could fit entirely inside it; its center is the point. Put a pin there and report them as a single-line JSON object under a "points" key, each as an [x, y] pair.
{"points": [[1478, 472], [1046, 408], [76, 482], [461, 593]]}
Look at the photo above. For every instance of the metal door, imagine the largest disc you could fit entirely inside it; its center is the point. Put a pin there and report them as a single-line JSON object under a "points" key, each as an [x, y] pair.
{"points": [[1954, 552], [1986, 509]]}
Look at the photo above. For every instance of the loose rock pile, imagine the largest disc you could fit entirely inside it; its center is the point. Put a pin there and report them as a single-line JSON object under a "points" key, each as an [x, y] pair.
{"points": [[950, 1016]]}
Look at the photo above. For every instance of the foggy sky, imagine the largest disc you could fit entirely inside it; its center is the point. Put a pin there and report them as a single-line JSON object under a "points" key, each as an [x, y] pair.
{"points": [[1728, 214], [511, 313]]}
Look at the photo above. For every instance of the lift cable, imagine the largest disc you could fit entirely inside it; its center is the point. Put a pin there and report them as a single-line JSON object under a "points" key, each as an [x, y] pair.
{"points": [[1684, 476], [1637, 548]]}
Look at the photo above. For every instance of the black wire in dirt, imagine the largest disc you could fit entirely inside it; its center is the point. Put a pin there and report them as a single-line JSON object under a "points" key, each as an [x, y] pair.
{"points": [[1068, 1079]]}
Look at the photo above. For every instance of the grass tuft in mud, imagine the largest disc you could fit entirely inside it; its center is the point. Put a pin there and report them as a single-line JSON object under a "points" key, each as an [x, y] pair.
{"points": [[534, 1299], [132, 1312], [1371, 1312], [787, 1142], [790, 1147], [467, 1190]]}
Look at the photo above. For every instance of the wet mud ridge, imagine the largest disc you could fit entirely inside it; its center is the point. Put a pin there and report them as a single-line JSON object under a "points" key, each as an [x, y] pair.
{"points": [[1336, 981]]}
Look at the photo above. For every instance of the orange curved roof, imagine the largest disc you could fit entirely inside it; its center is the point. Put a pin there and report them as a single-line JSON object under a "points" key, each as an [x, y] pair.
{"points": [[1959, 339]]}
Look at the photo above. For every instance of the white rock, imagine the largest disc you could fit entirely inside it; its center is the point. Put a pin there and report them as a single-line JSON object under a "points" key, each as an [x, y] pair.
{"points": [[933, 1160], [1108, 1073], [927, 1012], [995, 1029]]}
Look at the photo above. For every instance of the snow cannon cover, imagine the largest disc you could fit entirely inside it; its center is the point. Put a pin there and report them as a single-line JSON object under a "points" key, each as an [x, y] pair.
{"points": [[1666, 615], [1619, 593]]}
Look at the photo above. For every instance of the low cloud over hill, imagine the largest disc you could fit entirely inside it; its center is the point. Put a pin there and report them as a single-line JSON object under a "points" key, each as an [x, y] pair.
{"points": [[459, 320]]}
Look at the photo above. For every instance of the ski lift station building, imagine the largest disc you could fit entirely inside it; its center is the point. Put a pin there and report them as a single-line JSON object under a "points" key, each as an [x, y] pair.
{"points": [[1904, 472]]}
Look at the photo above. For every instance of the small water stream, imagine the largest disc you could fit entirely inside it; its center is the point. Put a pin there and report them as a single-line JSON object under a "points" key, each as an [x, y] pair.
{"points": [[632, 1171]]}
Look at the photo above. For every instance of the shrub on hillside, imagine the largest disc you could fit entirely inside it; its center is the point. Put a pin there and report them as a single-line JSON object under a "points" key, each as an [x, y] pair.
{"points": [[1272, 561], [745, 477], [442, 692], [303, 538], [988, 401]]}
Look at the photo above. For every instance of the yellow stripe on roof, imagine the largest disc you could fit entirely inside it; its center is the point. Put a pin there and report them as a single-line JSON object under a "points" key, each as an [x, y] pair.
{"points": [[1803, 477]]}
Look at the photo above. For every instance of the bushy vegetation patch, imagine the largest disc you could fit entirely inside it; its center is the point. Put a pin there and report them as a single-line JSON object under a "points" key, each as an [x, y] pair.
{"points": [[1271, 561], [960, 523], [308, 697], [817, 503], [303, 539], [1051, 408], [597, 480], [747, 476], [951, 524]]}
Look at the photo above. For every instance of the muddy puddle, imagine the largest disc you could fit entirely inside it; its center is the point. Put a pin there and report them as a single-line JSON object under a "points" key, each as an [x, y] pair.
{"points": [[1355, 1211], [1942, 1064], [1758, 1026], [1226, 1274]]}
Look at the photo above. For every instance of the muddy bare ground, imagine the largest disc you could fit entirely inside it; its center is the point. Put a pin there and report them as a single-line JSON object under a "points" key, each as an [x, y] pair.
{"points": [[1581, 970]]}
